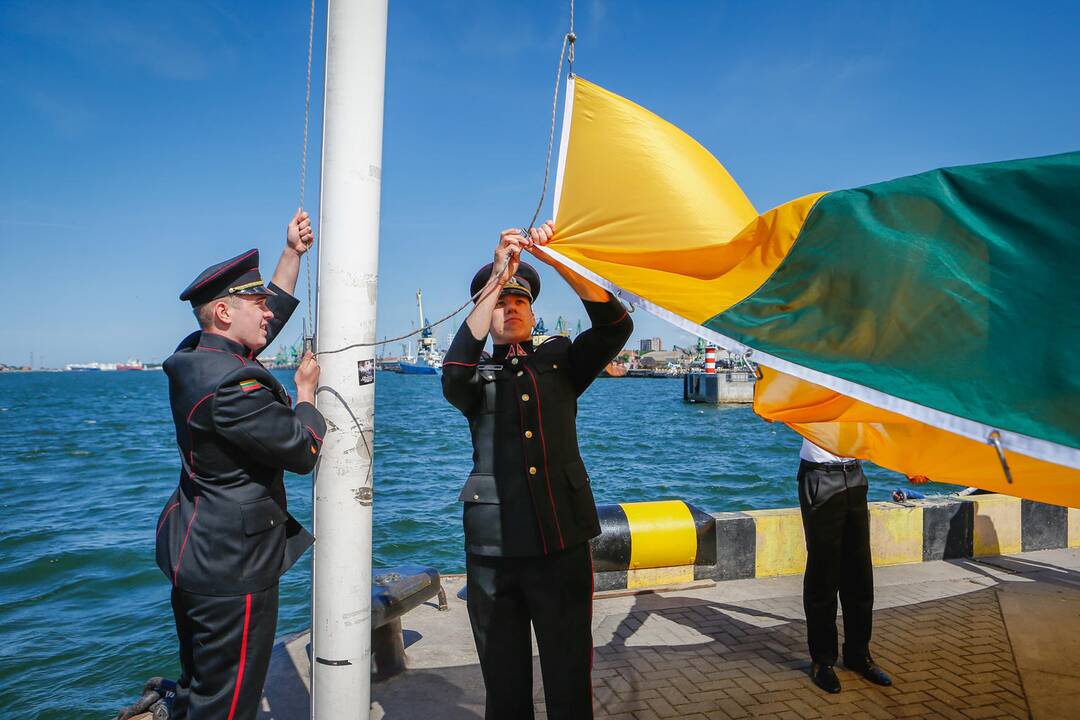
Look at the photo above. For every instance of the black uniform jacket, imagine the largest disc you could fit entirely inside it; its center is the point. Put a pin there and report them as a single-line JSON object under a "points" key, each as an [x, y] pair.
{"points": [[528, 492], [226, 529]]}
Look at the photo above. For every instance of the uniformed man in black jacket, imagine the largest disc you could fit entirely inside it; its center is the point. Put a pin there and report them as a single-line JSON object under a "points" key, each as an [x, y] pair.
{"points": [[225, 535], [529, 512]]}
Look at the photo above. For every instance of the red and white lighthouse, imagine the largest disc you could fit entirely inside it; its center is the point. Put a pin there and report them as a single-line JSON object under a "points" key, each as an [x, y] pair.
{"points": [[710, 360]]}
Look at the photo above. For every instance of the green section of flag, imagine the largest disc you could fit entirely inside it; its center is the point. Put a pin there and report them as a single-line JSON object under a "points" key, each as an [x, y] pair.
{"points": [[957, 289]]}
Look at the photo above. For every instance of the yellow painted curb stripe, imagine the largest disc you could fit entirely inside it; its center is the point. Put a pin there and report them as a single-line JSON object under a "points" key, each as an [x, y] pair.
{"points": [[653, 577], [662, 534], [896, 534], [1074, 527], [997, 525], [780, 546]]}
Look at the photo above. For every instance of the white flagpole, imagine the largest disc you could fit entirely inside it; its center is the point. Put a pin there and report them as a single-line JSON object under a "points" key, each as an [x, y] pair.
{"points": [[347, 281]]}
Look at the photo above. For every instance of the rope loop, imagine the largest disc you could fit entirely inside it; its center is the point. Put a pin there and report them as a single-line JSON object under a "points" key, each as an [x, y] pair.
{"points": [[571, 38]]}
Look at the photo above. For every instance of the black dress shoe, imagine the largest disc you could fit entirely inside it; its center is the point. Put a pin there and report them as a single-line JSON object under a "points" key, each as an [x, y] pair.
{"points": [[825, 677], [869, 670]]}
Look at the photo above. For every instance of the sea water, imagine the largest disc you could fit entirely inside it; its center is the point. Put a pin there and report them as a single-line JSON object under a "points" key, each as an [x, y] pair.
{"points": [[88, 459]]}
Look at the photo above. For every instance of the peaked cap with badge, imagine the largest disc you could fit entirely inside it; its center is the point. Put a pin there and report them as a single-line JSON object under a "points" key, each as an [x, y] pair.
{"points": [[235, 276], [526, 281]]}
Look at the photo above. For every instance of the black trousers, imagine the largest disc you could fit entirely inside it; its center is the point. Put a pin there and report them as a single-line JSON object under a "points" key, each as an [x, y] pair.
{"points": [[837, 525], [225, 645], [554, 594]]}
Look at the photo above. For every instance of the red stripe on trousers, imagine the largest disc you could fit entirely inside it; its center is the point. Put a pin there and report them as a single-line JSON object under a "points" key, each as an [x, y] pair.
{"points": [[243, 658], [592, 593]]}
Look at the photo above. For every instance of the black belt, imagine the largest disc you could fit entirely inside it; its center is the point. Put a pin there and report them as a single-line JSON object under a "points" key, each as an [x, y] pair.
{"points": [[848, 465]]}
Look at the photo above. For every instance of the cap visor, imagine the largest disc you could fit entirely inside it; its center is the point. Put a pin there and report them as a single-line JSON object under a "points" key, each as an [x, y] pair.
{"points": [[517, 291], [257, 290]]}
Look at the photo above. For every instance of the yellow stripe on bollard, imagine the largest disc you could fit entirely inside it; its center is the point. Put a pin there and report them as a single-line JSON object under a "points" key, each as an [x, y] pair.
{"points": [[896, 534], [662, 534]]}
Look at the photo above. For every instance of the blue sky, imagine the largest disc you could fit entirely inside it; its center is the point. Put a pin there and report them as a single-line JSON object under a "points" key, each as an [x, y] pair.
{"points": [[144, 141]]}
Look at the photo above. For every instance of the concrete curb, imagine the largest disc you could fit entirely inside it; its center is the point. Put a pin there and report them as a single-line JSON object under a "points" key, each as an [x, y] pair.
{"points": [[645, 545]]}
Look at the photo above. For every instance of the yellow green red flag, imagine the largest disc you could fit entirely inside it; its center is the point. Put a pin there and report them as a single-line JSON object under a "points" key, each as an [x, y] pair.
{"points": [[923, 323]]}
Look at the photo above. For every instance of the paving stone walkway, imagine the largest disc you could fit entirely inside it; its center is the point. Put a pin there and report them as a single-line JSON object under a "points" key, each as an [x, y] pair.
{"points": [[949, 658], [997, 638]]}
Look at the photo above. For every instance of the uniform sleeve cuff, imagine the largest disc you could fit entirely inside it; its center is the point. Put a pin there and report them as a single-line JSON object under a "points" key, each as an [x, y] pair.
{"points": [[605, 313], [281, 302], [311, 418]]}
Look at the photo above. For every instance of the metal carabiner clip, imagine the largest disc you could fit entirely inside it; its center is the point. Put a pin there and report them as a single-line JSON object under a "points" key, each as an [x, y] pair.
{"points": [[994, 438], [753, 368]]}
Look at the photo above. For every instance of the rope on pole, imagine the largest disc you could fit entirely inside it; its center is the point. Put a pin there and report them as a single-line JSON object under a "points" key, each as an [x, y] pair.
{"points": [[303, 158]]}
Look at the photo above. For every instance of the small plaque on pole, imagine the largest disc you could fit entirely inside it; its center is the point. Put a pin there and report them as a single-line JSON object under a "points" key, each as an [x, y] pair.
{"points": [[365, 371]]}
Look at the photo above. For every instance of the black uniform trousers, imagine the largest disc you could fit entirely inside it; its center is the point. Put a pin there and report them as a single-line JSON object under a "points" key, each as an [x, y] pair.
{"points": [[837, 525], [225, 645], [554, 593]]}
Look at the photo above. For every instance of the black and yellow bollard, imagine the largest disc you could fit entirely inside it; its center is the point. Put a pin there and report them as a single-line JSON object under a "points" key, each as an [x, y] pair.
{"points": [[653, 544]]}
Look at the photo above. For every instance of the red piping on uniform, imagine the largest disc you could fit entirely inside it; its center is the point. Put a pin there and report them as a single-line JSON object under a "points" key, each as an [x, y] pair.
{"points": [[191, 439], [197, 404], [613, 322], [166, 517], [525, 454], [461, 364], [234, 263], [243, 657], [315, 434], [180, 557], [543, 445]]}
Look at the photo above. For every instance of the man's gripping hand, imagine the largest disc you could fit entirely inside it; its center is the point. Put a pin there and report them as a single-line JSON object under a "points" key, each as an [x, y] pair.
{"points": [[307, 379], [508, 255], [299, 237], [539, 237]]}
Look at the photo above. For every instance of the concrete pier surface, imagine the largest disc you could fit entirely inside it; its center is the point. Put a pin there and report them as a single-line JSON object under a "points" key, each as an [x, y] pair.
{"points": [[985, 638]]}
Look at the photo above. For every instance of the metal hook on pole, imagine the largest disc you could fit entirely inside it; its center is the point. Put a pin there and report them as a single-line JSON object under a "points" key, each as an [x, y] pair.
{"points": [[994, 438]]}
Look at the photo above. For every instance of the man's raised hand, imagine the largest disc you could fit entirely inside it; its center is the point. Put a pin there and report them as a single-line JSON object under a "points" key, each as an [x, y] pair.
{"points": [[299, 236]]}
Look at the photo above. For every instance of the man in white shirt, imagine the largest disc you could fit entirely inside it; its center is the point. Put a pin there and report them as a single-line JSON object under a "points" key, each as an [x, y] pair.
{"points": [[836, 520]]}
